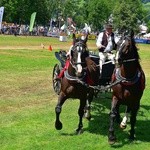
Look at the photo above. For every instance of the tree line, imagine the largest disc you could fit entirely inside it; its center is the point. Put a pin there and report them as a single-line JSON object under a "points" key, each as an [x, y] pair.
{"points": [[125, 14]]}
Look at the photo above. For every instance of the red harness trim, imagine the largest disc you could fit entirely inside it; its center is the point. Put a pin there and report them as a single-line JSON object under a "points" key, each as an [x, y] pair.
{"points": [[61, 74], [89, 80]]}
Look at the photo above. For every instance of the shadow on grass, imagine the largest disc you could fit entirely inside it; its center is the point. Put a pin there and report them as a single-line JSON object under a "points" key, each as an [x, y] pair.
{"points": [[99, 124]]}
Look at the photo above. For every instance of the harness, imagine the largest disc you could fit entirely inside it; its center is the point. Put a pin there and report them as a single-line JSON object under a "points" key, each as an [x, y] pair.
{"points": [[117, 76], [73, 78], [79, 47]]}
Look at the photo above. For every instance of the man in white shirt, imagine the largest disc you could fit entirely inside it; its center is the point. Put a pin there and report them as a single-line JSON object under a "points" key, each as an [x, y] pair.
{"points": [[106, 42]]}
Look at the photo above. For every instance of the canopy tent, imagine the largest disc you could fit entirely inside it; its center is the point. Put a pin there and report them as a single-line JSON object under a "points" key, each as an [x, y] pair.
{"points": [[147, 35]]}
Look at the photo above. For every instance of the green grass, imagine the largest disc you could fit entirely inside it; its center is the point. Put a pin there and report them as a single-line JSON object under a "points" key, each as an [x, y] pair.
{"points": [[27, 102]]}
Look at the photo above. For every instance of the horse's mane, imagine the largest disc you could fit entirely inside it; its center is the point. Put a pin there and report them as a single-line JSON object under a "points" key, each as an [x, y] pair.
{"points": [[91, 65], [134, 47], [92, 69]]}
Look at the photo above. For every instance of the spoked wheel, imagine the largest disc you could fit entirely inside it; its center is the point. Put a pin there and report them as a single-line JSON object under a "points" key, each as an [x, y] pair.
{"points": [[56, 83]]}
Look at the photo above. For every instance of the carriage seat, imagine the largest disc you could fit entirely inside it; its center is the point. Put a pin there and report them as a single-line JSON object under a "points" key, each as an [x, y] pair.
{"points": [[95, 58], [61, 56]]}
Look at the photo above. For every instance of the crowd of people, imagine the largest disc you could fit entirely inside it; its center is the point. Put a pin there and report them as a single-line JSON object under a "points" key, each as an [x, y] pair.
{"points": [[15, 29], [38, 30]]}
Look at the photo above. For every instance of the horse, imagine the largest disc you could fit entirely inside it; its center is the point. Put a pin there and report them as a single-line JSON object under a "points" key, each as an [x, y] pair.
{"points": [[74, 83], [129, 84]]}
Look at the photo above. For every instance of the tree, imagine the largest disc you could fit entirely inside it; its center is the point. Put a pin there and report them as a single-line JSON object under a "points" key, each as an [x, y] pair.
{"points": [[126, 14], [81, 15], [99, 12]]}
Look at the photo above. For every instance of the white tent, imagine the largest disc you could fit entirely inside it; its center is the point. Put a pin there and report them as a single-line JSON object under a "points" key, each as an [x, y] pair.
{"points": [[143, 28], [147, 35]]}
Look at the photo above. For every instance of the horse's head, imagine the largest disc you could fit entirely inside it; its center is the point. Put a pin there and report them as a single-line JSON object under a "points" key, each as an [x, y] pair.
{"points": [[78, 54], [127, 49]]}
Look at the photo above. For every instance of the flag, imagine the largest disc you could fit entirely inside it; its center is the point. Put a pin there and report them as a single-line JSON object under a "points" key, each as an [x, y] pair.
{"points": [[50, 24], [32, 19], [1, 16], [64, 27]]}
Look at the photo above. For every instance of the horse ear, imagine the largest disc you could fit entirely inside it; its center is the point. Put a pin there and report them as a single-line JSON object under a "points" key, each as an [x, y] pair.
{"points": [[126, 33], [74, 38], [132, 33], [86, 38]]}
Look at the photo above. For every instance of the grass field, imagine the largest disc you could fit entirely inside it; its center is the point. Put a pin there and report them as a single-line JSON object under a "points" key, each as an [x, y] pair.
{"points": [[27, 102]]}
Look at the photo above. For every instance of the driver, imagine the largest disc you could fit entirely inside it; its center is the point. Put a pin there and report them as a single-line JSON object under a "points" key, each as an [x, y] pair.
{"points": [[106, 42]]}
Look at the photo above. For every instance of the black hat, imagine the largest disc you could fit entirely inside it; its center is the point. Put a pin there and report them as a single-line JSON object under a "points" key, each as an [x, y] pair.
{"points": [[108, 26]]}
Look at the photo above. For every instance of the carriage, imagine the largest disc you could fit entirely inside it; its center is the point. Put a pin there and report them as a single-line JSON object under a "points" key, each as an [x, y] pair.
{"points": [[128, 82], [104, 81]]}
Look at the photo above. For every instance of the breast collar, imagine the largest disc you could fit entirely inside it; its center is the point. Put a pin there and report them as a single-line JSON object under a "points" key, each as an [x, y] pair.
{"points": [[126, 81]]}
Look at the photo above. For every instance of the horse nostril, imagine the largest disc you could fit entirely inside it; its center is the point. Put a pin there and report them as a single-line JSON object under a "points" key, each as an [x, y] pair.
{"points": [[79, 74]]}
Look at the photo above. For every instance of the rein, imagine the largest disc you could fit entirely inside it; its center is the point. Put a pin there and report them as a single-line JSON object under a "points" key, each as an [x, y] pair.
{"points": [[129, 60], [72, 78]]}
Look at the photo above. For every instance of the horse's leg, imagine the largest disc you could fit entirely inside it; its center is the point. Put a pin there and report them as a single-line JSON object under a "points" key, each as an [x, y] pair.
{"points": [[81, 113], [61, 100], [87, 109], [133, 121], [117, 114], [123, 124], [111, 135]]}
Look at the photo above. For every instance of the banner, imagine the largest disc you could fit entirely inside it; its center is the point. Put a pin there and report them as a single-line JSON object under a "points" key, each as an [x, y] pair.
{"points": [[1, 16], [32, 21]]}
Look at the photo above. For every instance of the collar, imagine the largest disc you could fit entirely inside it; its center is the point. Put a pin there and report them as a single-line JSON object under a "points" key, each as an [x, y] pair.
{"points": [[126, 81]]}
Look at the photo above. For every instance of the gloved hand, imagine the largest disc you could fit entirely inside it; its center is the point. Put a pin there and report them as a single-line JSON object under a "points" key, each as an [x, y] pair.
{"points": [[107, 51], [102, 46]]}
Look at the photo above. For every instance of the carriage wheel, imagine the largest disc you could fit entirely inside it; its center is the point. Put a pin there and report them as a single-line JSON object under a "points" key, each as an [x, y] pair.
{"points": [[56, 83]]}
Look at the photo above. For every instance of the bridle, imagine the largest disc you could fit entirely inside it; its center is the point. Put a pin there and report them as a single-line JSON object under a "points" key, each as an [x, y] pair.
{"points": [[123, 45], [79, 48], [127, 54]]}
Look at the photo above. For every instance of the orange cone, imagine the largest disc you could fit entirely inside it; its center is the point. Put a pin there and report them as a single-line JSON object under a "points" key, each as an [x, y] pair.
{"points": [[50, 48]]}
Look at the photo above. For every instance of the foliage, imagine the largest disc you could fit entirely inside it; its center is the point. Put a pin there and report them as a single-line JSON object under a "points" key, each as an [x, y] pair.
{"points": [[19, 11], [146, 19], [145, 1], [93, 12], [126, 14], [98, 11]]}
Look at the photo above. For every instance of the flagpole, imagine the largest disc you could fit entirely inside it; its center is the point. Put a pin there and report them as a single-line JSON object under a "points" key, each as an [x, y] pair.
{"points": [[1, 16]]}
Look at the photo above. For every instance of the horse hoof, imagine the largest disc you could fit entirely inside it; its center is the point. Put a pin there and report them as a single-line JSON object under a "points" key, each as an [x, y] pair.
{"points": [[111, 140], [88, 117], [79, 131], [58, 125], [123, 126]]}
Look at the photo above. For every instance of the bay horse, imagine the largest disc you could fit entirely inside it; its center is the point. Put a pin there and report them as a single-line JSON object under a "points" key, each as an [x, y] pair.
{"points": [[74, 81], [130, 88]]}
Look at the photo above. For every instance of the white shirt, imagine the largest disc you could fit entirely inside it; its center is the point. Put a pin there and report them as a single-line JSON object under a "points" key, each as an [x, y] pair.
{"points": [[109, 46]]}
